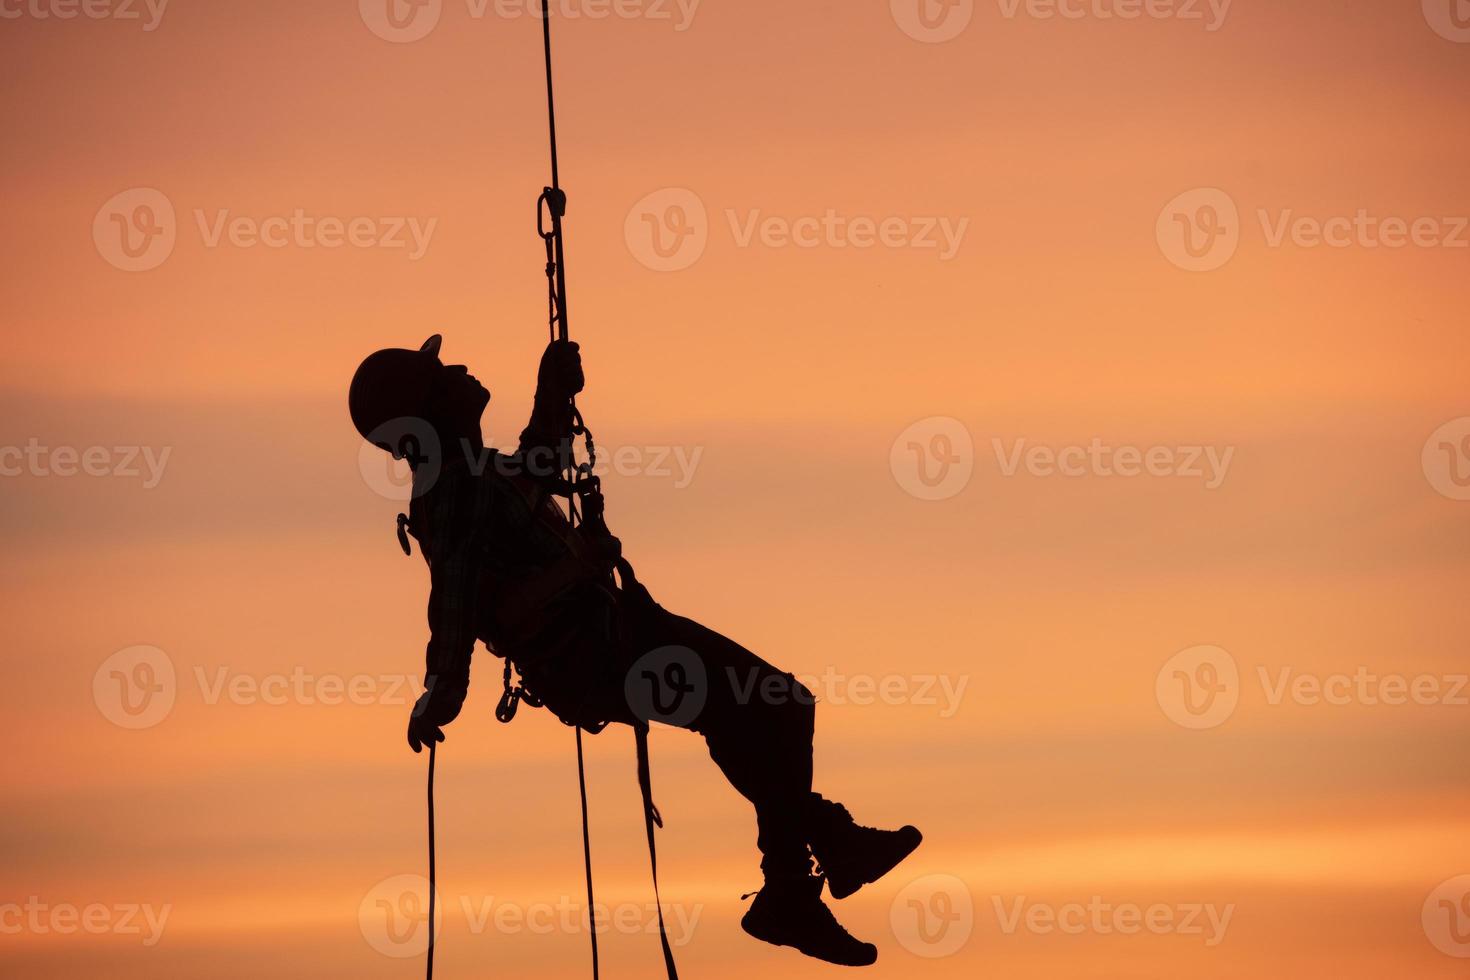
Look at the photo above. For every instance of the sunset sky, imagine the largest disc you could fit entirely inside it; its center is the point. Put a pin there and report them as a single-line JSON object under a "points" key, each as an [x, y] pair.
{"points": [[881, 304]]}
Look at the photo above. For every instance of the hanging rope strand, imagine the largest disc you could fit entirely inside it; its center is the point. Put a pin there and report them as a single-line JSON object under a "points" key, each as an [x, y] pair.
{"points": [[550, 91], [554, 201], [433, 865]]}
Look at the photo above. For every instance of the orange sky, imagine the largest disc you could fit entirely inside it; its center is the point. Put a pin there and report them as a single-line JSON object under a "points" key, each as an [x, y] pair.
{"points": [[762, 395]]}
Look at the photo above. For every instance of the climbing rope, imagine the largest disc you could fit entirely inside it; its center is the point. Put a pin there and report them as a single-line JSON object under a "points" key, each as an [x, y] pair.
{"points": [[580, 485], [433, 863]]}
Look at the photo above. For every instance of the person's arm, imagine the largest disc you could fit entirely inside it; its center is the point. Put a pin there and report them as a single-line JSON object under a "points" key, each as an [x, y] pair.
{"points": [[546, 440], [458, 518]]}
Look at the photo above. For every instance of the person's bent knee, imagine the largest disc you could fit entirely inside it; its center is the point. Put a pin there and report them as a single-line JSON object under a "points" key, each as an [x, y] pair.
{"points": [[799, 710]]}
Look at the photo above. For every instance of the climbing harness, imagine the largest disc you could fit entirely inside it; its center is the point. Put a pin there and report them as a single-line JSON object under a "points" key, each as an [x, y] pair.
{"points": [[583, 493]]}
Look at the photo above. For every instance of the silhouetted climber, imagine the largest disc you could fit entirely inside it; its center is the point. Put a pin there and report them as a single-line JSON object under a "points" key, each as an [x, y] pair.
{"points": [[508, 569]]}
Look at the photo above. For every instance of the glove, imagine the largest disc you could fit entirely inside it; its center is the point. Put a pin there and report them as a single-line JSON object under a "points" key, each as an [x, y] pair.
{"points": [[435, 708], [560, 374]]}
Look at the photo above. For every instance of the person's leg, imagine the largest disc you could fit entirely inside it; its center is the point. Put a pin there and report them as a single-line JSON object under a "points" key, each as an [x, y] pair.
{"points": [[757, 721]]}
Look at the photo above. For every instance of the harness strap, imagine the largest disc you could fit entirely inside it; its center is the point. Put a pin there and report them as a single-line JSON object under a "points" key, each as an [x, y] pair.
{"points": [[651, 819]]}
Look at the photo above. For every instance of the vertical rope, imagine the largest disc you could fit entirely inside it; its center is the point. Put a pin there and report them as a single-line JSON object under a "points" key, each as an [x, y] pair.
{"points": [[550, 95], [587, 853], [433, 865]]}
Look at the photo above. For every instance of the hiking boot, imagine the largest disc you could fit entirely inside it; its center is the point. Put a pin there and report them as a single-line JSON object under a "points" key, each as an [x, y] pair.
{"points": [[789, 911], [852, 856]]}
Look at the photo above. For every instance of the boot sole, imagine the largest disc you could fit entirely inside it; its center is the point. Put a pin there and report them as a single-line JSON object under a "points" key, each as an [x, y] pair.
{"points": [[782, 941], [844, 883]]}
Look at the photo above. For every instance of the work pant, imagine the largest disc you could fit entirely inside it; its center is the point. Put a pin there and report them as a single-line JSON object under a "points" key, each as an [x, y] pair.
{"points": [[757, 720]]}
